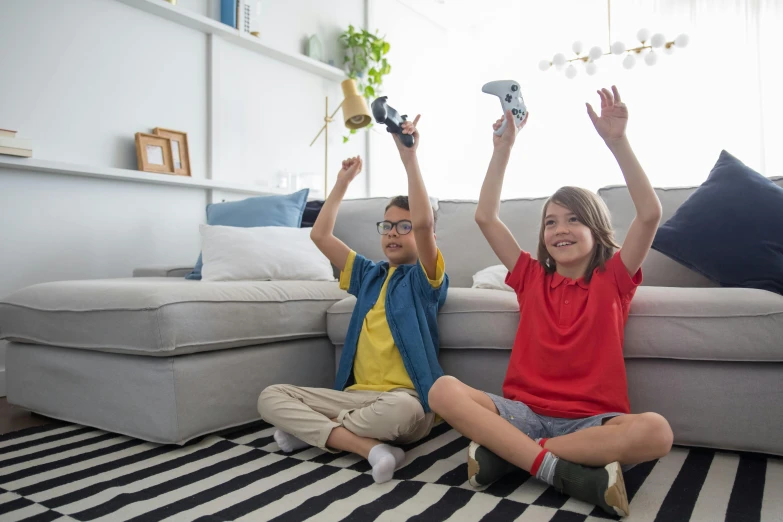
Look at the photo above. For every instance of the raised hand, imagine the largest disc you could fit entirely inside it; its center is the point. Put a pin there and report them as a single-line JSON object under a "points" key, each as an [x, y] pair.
{"points": [[614, 116], [350, 169], [408, 127], [509, 135]]}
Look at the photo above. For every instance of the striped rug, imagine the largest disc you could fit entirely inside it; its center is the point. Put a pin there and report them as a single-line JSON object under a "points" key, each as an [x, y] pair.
{"points": [[67, 472]]}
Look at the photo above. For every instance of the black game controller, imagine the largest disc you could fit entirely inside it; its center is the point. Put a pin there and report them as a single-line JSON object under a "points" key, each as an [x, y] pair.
{"points": [[388, 115]]}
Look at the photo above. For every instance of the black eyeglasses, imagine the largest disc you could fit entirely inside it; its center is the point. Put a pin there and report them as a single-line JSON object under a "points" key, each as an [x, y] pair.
{"points": [[403, 227]]}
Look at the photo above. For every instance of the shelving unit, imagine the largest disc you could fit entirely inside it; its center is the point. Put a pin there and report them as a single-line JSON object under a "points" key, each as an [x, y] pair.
{"points": [[209, 26], [70, 169]]}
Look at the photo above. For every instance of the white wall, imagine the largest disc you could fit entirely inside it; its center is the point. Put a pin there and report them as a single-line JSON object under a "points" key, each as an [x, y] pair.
{"points": [[80, 78], [418, 48], [720, 92]]}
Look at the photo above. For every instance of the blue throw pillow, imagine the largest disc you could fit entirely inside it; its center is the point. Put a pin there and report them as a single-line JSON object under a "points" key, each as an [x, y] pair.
{"points": [[262, 211], [729, 229]]}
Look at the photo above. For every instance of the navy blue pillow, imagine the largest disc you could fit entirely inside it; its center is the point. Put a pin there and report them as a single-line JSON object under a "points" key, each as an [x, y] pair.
{"points": [[261, 211], [730, 229], [311, 211]]}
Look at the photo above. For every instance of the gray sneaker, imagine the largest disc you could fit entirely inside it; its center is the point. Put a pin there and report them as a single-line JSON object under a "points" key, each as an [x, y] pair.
{"points": [[484, 467], [603, 487]]}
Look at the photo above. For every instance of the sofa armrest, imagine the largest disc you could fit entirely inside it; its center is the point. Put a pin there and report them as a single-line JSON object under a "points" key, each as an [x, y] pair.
{"points": [[162, 271]]}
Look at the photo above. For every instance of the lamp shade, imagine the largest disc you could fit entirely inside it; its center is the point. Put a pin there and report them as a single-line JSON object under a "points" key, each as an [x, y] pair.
{"points": [[355, 112]]}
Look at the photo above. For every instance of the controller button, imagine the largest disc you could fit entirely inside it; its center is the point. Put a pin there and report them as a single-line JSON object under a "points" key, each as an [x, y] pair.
{"points": [[508, 98], [514, 112], [514, 87]]}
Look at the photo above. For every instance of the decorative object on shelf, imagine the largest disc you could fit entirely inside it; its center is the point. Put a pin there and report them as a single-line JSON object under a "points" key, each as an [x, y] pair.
{"points": [[356, 115], [172, 2], [241, 14], [365, 62], [313, 48], [10, 145], [248, 13], [180, 153], [153, 153], [651, 45], [228, 12]]}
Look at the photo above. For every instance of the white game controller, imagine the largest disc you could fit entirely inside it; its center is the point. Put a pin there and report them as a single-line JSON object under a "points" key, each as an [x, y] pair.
{"points": [[510, 99]]}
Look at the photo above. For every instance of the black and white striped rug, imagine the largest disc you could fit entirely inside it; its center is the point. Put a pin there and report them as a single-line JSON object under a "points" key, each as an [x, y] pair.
{"points": [[67, 472]]}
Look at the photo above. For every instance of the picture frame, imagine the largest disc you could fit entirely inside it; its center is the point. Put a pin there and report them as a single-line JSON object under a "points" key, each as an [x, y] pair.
{"points": [[180, 152], [153, 153]]}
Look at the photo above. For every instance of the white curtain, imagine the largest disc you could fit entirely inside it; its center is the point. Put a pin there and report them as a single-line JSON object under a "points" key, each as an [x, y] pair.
{"points": [[721, 92]]}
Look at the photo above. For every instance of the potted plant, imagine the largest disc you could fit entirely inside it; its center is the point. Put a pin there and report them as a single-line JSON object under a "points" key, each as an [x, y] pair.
{"points": [[365, 62]]}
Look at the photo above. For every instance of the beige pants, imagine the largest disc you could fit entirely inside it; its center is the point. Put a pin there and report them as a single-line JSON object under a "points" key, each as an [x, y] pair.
{"points": [[306, 413]]}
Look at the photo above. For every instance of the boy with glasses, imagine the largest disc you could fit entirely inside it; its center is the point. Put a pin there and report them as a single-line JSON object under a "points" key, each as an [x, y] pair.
{"points": [[390, 357]]}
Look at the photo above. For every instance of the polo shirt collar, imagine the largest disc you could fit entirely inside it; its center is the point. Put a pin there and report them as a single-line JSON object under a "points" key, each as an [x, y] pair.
{"points": [[557, 280]]}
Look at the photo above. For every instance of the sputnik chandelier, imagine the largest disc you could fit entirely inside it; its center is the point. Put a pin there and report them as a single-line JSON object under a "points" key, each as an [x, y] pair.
{"points": [[651, 45]]}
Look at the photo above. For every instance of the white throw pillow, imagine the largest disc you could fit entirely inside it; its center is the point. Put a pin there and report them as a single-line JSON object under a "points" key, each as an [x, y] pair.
{"points": [[493, 278], [262, 254]]}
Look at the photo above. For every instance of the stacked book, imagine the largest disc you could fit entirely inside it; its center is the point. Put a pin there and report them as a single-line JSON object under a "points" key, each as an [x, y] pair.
{"points": [[13, 146]]}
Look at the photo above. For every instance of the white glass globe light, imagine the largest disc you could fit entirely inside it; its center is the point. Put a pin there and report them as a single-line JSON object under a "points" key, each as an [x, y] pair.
{"points": [[570, 72], [629, 61], [559, 60], [643, 35], [658, 40], [682, 40], [651, 58], [577, 47], [591, 68], [618, 48], [595, 53], [544, 65]]}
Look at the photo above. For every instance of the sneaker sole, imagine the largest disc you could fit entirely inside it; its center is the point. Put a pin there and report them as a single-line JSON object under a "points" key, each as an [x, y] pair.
{"points": [[473, 465], [616, 496]]}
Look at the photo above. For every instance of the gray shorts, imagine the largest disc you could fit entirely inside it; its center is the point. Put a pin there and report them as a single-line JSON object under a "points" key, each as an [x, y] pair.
{"points": [[538, 426]]}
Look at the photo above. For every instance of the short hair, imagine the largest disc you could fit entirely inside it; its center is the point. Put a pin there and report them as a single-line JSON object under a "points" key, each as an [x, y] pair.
{"points": [[403, 203]]}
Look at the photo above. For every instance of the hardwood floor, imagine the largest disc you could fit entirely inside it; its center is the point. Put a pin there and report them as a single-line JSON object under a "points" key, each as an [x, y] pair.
{"points": [[13, 418]]}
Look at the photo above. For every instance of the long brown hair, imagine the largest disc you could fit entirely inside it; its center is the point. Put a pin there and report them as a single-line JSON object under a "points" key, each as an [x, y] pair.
{"points": [[592, 212]]}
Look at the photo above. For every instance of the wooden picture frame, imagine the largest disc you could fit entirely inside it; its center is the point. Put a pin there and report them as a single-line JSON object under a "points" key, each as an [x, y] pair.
{"points": [[180, 153], [153, 153]]}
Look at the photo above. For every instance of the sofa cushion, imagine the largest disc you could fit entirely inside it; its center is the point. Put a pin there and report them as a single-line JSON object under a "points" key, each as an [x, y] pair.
{"points": [[166, 316], [725, 324], [355, 225], [457, 230], [658, 269], [728, 228], [260, 211]]}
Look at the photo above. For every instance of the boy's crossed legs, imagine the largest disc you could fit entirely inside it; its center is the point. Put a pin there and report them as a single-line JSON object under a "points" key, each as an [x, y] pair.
{"points": [[584, 464], [355, 421]]}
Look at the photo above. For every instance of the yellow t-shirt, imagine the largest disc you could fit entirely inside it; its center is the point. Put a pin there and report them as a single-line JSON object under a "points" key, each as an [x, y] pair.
{"points": [[378, 364]]}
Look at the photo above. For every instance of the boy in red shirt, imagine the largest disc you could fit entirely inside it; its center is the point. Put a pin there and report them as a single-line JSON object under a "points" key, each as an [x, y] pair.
{"points": [[564, 415]]}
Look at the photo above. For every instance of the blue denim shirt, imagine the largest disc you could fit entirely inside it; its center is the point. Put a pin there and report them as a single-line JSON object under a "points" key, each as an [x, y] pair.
{"points": [[412, 306]]}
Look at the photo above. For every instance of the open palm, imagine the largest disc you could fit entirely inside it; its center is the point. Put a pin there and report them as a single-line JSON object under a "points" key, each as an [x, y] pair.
{"points": [[614, 115]]}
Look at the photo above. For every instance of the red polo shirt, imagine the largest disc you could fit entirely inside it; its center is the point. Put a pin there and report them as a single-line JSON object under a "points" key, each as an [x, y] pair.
{"points": [[567, 360]]}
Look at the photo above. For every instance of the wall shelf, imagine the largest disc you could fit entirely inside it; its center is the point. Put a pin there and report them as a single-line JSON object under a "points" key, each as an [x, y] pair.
{"points": [[209, 26], [70, 169]]}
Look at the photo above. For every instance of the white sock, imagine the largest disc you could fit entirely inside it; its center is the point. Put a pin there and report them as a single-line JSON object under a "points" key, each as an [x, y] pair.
{"points": [[383, 461], [399, 455], [288, 442]]}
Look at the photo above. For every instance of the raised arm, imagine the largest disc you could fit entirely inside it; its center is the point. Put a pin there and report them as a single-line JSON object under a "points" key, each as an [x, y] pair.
{"points": [[611, 127], [421, 209], [497, 233], [322, 233]]}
